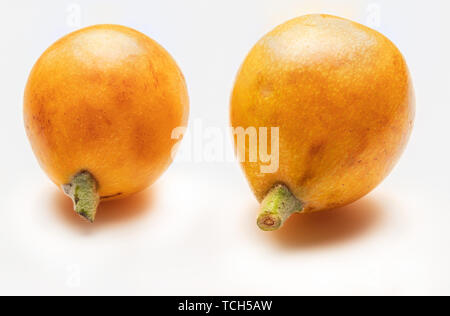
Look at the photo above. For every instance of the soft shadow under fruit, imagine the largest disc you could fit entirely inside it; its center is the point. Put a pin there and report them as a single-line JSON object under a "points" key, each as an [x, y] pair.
{"points": [[330, 227]]}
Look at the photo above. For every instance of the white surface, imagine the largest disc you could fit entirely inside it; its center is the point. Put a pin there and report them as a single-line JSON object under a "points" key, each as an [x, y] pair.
{"points": [[194, 231]]}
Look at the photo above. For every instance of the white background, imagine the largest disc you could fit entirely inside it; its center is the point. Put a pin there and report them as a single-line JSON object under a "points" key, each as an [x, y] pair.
{"points": [[194, 232]]}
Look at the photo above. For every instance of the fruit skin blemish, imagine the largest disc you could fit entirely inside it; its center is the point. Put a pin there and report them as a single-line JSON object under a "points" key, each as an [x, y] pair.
{"points": [[100, 106], [342, 97]]}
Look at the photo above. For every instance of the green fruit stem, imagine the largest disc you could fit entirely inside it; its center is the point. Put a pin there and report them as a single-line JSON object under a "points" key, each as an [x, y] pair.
{"points": [[83, 191], [276, 208]]}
